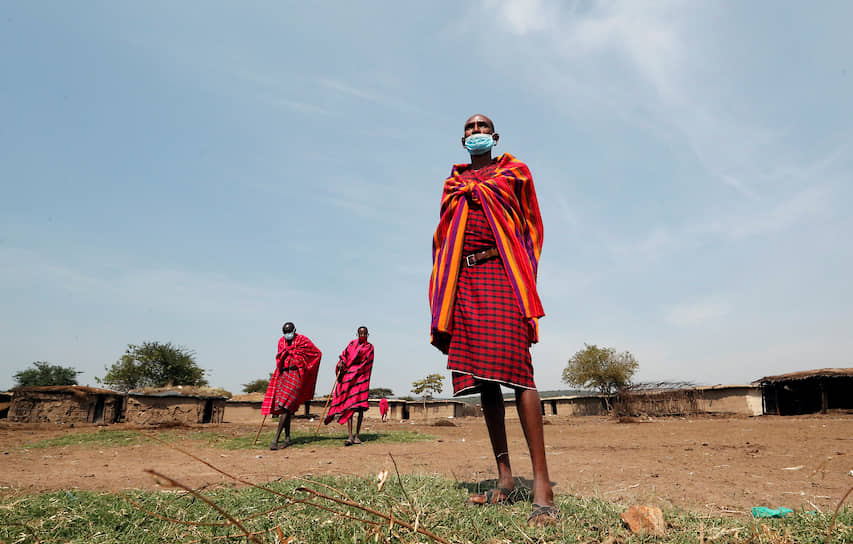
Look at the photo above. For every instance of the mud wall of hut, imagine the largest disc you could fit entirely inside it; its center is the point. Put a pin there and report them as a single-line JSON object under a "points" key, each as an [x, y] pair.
{"points": [[731, 400], [39, 407], [175, 410]]}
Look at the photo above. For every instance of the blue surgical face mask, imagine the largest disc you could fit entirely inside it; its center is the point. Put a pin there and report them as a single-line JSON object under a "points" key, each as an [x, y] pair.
{"points": [[289, 335], [477, 144]]}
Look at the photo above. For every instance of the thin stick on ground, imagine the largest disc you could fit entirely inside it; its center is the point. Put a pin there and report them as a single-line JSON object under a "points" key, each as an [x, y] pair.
{"points": [[347, 502], [835, 514], [174, 483], [141, 508], [217, 469], [386, 517], [326, 407], [259, 429], [327, 486], [399, 479]]}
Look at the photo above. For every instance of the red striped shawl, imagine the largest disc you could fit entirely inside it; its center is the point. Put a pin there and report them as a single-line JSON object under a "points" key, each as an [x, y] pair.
{"points": [[356, 365], [509, 202]]}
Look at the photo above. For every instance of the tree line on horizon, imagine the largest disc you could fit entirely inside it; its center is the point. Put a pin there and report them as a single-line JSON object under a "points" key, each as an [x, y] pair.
{"points": [[162, 364]]}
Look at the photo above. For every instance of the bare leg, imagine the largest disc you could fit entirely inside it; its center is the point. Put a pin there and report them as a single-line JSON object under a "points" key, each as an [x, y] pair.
{"points": [[530, 415], [494, 413], [287, 416], [358, 427], [281, 421], [349, 429]]}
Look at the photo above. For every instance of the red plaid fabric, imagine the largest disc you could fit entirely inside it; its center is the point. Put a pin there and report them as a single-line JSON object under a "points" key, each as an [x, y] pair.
{"points": [[491, 338], [295, 376], [356, 365]]}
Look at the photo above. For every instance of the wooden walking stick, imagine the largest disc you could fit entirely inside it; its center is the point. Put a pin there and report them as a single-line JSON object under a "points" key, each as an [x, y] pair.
{"points": [[328, 400], [259, 430]]}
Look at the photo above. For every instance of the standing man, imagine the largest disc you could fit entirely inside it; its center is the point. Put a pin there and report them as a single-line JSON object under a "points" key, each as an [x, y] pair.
{"points": [[484, 304], [353, 373], [292, 383]]}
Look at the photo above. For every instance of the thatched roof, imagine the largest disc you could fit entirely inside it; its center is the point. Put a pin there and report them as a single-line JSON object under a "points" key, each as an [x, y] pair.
{"points": [[181, 391], [806, 374], [64, 389], [247, 397]]}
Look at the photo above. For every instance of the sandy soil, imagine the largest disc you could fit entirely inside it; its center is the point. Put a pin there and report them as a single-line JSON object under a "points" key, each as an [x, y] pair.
{"points": [[714, 465]]}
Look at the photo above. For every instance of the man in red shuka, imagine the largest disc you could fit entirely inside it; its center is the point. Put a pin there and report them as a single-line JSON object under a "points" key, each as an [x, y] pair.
{"points": [[354, 368], [484, 303], [296, 364]]}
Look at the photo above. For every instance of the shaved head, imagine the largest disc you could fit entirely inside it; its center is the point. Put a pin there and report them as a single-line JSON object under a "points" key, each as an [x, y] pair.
{"points": [[472, 121]]}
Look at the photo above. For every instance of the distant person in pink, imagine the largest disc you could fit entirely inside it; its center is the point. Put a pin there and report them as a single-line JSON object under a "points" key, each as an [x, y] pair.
{"points": [[383, 409]]}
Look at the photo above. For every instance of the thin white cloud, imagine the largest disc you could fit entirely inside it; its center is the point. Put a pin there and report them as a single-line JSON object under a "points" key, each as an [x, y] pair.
{"points": [[296, 106], [655, 65], [170, 290], [381, 99], [521, 16], [352, 91], [808, 205]]}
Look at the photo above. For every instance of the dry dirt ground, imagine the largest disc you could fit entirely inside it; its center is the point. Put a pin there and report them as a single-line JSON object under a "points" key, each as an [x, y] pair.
{"points": [[714, 465]]}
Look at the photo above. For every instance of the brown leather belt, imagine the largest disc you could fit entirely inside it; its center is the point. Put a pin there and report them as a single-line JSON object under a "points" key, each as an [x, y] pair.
{"points": [[481, 256]]}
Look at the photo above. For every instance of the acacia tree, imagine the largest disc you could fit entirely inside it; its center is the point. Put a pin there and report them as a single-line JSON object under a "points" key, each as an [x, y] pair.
{"points": [[154, 364], [379, 392], [428, 386], [600, 368], [257, 386], [44, 373]]}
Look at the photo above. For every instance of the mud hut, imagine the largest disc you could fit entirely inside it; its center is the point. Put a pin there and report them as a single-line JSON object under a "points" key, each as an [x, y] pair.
{"points": [[808, 391], [397, 409], [175, 406], [65, 404], [432, 409], [568, 405], [5, 402], [730, 399], [244, 408]]}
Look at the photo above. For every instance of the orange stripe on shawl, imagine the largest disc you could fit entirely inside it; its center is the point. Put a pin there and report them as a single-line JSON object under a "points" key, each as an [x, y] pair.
{"points": [[510, 204]]}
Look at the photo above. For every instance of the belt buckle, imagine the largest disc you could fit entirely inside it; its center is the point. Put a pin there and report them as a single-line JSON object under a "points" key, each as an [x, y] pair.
{"points": [[471, 260]]}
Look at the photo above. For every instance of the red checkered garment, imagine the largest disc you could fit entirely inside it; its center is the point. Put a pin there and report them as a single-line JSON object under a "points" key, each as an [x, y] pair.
{"points": [[286, 387], [491, 338], [295, 376]]}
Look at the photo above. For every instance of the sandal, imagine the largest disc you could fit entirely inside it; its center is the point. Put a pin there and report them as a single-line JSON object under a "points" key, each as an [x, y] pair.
{"points": [[500, 495], [356, 441], [285, 444], [274, 446], [347, 442], [543, 515]]}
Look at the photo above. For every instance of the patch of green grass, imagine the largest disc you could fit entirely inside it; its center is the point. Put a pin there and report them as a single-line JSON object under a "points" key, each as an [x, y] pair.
{"points": [[438, 505], [301, 439], [105, 438]]}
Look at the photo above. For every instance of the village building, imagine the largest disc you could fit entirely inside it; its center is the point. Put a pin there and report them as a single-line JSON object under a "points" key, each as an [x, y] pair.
{"points": [[433, 409], [730, 400], [179, 405], [65, 404], [5, 402], [807, 392]]}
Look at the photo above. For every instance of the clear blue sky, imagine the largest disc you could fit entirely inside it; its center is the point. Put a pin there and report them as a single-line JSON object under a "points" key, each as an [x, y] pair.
{"points": [[201, 172]]}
